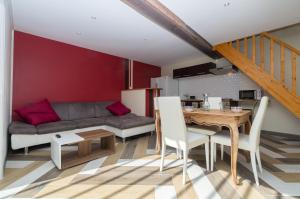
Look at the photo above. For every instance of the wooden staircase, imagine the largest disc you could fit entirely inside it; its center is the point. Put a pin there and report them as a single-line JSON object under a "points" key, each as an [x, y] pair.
{"points": [[270, 62]]}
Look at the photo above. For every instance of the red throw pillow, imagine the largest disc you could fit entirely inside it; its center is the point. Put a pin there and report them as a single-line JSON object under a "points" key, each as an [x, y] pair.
{"points": [[38, 113], [118, 109]]}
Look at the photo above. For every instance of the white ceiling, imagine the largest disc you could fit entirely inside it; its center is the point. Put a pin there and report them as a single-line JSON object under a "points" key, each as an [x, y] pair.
{"points": [[112, 27], [218, 23]]}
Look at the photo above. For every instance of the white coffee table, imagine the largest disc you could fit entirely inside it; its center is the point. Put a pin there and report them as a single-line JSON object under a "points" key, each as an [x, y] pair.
{"points": [[57, 143], [90, 146]]}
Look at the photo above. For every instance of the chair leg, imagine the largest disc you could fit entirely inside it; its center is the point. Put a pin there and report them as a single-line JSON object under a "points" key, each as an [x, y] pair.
{"points": [[212, 155], [222, 151], [185, 154], [258, 160], [207, 155], [178, 153], [253, 163], [215, 152], [162, 158], [26, 150]]}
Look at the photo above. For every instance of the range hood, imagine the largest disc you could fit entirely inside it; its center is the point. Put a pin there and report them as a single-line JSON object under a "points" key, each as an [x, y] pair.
{"points": [[223, 67], [196, 70]]}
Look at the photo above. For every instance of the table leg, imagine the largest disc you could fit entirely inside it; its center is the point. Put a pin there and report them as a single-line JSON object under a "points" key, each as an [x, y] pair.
{"points": [[84, 148], [108, 143], [158, 142], [234, 134], [158, 134], [247, 126]]}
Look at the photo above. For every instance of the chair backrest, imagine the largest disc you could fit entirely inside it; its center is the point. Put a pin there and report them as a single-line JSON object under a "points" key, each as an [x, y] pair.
{"points": [[215, 103], [173, 125], [257, 123]]}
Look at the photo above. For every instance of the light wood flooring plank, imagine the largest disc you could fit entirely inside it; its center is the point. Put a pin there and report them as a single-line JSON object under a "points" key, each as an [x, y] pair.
{"points": [[112, 159], [129, 149], [104, 192], [245, 189], [126, 176], [10, 177], [140, 149], [39, 184], [183, 191], [61, 182]]}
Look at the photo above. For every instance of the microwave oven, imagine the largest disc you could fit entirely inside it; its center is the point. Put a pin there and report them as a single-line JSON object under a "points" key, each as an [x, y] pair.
{"points": [[250, 94]]}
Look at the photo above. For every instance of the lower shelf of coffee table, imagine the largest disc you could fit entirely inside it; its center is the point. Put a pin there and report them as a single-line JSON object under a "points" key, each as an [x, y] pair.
{"points": [[71, 159]]}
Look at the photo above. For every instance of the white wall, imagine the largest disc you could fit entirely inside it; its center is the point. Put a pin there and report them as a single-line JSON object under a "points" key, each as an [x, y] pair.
{"points": [[278, 118], [135, 99], [6, 30]]}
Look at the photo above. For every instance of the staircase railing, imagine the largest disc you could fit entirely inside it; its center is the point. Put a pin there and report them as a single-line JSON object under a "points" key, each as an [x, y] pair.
{"points": [[270, 62], [261, 50]]}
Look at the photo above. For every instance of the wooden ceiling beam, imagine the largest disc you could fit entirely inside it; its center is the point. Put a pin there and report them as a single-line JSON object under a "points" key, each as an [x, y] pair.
{"points": [[161, 15]]}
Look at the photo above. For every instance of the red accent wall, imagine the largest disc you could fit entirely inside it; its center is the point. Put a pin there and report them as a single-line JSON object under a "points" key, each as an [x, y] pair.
{"points": [[142, 74], [45, 68]]}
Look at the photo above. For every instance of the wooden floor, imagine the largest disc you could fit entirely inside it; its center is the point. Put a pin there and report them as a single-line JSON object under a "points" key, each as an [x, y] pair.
{"points": [[133, 172]]}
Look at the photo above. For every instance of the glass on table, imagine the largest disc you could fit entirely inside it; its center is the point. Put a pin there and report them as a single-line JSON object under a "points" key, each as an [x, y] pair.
{"points": [[221, 106]]}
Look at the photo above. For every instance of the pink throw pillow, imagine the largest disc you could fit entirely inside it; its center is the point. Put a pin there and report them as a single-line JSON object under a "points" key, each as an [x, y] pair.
{"points": [[38, 113], [118, 109]]}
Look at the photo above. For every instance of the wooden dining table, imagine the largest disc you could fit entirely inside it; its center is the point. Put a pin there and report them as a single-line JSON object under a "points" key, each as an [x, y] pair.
{"points": [[221, 118]]}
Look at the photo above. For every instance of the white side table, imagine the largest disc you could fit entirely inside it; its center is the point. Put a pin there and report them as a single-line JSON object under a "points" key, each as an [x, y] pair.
{"points": [[57, 143]]}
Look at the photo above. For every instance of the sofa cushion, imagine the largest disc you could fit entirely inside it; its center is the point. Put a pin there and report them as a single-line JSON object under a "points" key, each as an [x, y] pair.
{"points": [[128, 121], [89, 122], [118, 109], [38, 113], [62, 110], [100, 108], [54, 127], [81, 110], [21, 128]]}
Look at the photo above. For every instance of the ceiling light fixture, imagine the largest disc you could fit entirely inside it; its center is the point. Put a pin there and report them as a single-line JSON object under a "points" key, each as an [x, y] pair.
{"points": [[93, 17], [226, 4]]}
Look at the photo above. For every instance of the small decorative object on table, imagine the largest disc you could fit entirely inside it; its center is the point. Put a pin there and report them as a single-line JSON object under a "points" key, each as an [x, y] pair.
{"points": [[236, 109], [205, 103], [188, 108]]}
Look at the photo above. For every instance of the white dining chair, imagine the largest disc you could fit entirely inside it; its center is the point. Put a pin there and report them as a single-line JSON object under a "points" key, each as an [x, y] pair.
{"points": [[204, 131], [175, 134], [246, 142], [155, 103], [215, 103]]}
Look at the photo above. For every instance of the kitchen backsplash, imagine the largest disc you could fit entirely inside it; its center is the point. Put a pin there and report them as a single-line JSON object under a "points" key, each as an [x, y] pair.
{"points": [[225, 86]]}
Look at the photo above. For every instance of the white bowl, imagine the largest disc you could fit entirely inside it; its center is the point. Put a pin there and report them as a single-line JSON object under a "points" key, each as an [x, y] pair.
{"points": [[188, 108], [236, 109]]}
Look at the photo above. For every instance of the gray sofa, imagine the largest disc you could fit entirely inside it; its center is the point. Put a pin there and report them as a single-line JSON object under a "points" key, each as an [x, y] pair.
{"points": [[79, 117]]}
